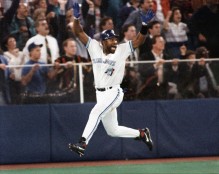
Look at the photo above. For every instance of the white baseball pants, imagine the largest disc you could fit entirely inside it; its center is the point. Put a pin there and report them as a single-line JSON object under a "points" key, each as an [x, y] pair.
{"points": [[105, 110]]}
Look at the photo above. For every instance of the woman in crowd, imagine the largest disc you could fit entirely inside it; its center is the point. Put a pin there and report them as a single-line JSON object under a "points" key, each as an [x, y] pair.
{"points": [[14, 57], [4, 92], [175, 32]]}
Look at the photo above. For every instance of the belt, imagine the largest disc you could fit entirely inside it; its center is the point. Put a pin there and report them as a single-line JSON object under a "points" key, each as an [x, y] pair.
{"points": [[104, 89]]}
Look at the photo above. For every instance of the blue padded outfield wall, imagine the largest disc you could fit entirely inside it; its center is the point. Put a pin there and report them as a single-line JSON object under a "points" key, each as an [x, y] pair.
{"points": [[41, 133]]}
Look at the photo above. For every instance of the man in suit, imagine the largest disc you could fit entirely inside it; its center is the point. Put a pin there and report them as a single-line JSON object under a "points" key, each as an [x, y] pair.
{"points": [[154, 85]]}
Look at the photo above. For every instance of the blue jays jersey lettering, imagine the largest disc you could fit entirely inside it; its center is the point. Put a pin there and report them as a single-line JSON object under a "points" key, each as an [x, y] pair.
{"points": [[105, 66], [107, 61]]}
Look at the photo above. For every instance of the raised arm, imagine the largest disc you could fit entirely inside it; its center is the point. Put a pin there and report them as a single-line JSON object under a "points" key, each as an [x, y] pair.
{"points": [[167, 20], [77, 28], [140, 38], [9, 14]]}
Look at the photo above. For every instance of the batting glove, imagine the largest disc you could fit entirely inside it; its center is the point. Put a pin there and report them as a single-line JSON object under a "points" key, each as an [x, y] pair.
{"points": [[76, 10], [147, 17]]}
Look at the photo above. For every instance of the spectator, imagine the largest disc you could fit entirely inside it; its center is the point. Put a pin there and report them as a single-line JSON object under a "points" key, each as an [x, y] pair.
{"points": [[65, 32], [1, 11], [6, 18], [50, 49], [131, 80], [39, 14], [172, 77], [129, 33], [53, 5], [130, 84], [53, 11], [106, 23], [161, 7], [135, 17], [6, 4], [40, 4], [187, 77], [154, 85], [113, 8], [34, 78], [175, 32], [22, 26], [154, 28], [196, 4], [185, 8], [205, 29], [92, 12], [50, 11], [2, 78], [66, 25], [157, 52], [206, 85], [129, 7], [68, 77], [14, 57], [4, 73]]}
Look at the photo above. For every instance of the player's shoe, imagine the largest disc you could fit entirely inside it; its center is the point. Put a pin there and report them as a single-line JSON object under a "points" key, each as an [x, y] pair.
{"points": [[145, 136], [79, 148]]}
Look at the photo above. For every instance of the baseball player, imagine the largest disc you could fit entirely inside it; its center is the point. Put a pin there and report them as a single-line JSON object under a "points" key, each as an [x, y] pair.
{"points": [[108, 60]]}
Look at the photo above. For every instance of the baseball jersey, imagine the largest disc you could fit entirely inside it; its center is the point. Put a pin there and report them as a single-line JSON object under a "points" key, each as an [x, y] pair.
{"points": [[108, 69]]}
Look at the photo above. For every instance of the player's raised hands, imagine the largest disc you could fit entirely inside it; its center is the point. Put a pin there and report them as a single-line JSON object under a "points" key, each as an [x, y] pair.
{"points": [[76, 10], [146, 18]]}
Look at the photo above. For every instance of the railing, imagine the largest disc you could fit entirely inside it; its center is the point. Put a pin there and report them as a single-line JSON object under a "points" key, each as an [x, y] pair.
{"points": [[205, 82]]}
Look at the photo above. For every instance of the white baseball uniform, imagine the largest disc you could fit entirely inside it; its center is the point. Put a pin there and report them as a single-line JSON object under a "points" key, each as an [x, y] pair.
{"points": [[108, 74]]}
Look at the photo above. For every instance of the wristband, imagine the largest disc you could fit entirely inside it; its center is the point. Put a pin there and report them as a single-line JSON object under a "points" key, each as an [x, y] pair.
{"points": [[144, 29]]}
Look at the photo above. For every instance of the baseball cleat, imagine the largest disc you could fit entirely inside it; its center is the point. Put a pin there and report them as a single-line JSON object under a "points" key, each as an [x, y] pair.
{"points": [[146, 138], [79, 148]]}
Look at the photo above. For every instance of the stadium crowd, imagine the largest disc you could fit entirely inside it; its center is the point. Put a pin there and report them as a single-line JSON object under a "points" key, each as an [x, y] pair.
{"points": [[39, 50]]}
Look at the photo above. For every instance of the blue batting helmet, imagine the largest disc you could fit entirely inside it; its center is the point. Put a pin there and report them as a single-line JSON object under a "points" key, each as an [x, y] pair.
{"points": [[108, 34]]}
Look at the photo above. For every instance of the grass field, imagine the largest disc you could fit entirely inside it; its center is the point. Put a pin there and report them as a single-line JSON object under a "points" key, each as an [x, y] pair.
{"points": [[163, 167]]}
